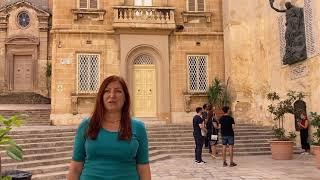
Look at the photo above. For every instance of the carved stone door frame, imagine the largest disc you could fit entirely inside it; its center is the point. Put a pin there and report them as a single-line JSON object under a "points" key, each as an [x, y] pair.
{"points": [[21, 46]]}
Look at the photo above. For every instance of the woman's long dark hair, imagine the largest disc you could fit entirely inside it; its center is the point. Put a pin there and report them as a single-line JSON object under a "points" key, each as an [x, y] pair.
{"points": [[99, 111]]}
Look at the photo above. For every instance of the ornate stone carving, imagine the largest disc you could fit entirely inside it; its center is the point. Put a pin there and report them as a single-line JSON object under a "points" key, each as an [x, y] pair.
{"points": [[95, 14], [187, 101], [206, 15]]}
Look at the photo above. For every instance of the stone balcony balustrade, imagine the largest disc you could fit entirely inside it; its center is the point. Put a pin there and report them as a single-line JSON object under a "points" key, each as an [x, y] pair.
{"points": [[144, 17]]}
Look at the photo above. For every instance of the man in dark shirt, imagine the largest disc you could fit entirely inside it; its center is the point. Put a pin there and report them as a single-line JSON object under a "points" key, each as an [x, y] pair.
{"points": [[198, 124], [226, 126]]}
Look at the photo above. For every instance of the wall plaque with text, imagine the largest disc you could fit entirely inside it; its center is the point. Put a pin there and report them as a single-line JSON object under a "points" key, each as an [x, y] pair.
{"points": [[299, 71]]}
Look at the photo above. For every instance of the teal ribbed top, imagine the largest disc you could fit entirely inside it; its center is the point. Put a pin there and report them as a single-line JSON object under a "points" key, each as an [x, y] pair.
{"points": [[107, 157]]}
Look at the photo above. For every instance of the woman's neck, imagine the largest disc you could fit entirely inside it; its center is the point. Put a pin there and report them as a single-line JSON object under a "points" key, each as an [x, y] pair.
{"points": [[112, 117]]}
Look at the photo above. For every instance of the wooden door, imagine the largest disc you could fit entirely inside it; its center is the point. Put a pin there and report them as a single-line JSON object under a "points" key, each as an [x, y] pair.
{"points": [[144, 85], [23, 73]]}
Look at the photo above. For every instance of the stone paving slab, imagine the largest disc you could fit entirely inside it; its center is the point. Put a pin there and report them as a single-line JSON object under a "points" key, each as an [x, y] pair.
{"points": [[302, 167]]}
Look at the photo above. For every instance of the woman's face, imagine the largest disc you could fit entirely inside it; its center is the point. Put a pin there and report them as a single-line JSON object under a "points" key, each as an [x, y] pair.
{"points": [[114, 97]]}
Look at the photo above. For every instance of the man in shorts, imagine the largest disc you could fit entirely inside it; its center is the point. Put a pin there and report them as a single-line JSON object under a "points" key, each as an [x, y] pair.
{"points": [[227, 126]]}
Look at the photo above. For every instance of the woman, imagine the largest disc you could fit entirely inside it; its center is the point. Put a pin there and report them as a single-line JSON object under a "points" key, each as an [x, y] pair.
{"points": [[212, 126], [304, 133], [110, 145]]}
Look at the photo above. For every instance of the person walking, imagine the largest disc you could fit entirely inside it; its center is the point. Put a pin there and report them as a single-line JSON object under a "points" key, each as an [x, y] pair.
{"points": [[227, 126], [198, 126]]}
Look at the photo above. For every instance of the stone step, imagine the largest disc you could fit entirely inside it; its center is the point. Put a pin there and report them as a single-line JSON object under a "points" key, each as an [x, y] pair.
{"points": [[207, 155], [35, 163], [45, 144], [44, 135], [191, 149], [31, 117], [46, 139], [46, 130], [192, 144], [42, 150], [47, 169], [190, 134], [158, 157], [189, 128], [190, 138], [71, 133], [42, 156], [51, 176], [191, 131]]}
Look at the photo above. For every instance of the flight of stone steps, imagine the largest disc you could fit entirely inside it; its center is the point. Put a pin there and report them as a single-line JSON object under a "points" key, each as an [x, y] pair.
{"points": [[48, 149], [32, 114], [34, 107]]}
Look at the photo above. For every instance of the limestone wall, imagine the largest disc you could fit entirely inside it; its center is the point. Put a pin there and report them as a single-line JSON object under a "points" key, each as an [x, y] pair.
{"points": [[252, 54]]}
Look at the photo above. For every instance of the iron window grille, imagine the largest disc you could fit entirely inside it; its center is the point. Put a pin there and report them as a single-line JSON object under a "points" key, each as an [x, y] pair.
{"points": [[197, 73]]}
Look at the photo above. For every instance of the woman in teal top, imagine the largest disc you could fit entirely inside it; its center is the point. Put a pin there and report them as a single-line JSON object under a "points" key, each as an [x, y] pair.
{"points": [[110, 145]]}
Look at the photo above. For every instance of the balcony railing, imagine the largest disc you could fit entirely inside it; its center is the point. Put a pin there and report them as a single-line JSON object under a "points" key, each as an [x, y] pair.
{"points": [[144, 17]]}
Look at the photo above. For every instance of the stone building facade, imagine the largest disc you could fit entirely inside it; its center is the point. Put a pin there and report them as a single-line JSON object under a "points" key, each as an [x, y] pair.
{"points": [[24, 46], [167, 51]]}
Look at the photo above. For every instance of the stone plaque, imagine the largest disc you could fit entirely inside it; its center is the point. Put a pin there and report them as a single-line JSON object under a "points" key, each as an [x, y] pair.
{"points": [[298, 71]]}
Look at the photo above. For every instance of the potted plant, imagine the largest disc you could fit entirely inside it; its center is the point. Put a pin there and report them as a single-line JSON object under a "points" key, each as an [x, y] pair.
{"points": [[218, 95], [315, 122], [12, 149], [282, 147]]}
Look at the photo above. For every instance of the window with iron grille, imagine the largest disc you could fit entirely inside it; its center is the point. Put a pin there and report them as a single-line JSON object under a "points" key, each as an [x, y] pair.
{"points": [[88, 4], [196, 5], [143, 2], [88, 73], [197, 73]]}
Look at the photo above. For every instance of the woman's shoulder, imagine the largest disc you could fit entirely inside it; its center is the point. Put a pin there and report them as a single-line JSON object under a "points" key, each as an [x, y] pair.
{"points": [[84, 123], [137, 125]]}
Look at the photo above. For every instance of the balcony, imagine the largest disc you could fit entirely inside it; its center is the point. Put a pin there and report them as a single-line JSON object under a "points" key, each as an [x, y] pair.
{"points": [[144, 17]]}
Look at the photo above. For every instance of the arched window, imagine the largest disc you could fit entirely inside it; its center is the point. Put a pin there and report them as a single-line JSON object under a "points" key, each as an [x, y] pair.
{"points": [[142, 60]]}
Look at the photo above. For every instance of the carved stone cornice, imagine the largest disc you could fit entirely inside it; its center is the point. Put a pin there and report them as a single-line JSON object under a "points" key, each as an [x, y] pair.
{"points": [[94, 14], [187, 14], [22, 40]]}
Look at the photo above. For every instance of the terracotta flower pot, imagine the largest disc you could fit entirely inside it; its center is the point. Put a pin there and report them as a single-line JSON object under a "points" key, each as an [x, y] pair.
{"points": [[316, 151], [282, 150]]}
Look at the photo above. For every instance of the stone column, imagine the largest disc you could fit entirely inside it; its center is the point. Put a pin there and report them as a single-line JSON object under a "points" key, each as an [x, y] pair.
{"points": [[3, 34]]}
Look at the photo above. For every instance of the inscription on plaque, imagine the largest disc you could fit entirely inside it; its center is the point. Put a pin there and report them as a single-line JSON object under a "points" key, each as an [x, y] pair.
{"points": [[299, 71]]}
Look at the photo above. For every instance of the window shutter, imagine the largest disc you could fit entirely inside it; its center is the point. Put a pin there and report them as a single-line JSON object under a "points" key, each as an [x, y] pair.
{"points": [[94, 4], [191, 5], [83, 4], [147, 3], [138, 2], [200, 5]]}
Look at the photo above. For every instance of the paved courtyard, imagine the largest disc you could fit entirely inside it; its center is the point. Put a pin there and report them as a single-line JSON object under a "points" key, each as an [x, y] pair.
{"points": [[302, 167]]}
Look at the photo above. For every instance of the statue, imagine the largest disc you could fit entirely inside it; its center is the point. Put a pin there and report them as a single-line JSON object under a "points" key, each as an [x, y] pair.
{"points": [[295, 37]]}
